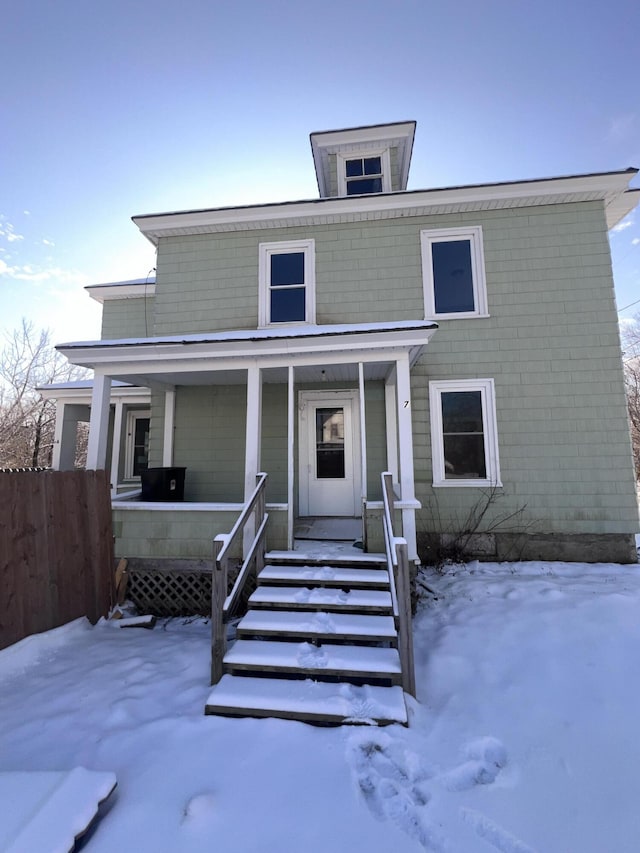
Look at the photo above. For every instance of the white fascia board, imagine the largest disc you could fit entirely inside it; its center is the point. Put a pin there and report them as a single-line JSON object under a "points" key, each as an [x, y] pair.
{"points": [[127, 290], [130, 395], [182, 356], [605, 186]]}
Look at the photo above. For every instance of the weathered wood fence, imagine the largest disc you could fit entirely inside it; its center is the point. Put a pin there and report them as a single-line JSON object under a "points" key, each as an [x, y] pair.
{"points": [[56, 550]]}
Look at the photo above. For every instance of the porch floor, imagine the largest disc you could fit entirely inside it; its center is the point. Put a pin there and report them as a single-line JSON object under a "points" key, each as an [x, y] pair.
{"points": [[328, 529]]}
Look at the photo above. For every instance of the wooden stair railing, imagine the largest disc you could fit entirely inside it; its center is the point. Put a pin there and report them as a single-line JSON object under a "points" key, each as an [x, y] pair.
{"points": [[398, 566], [223, 606]]}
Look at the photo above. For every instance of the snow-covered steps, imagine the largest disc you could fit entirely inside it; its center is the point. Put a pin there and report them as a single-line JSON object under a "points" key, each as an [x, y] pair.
{"points": [[316, 626], [329, 576], [318, 643], [321, 598], [309, 701], [323, 661]]}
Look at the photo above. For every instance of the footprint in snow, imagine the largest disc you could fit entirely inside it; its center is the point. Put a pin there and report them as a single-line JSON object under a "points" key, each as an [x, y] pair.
{"points": [[199, 808], [485, 758], [312, 657], [389, 778]]}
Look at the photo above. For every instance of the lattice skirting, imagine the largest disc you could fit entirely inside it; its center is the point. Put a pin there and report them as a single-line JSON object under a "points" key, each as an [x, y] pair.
{"points": [[170, 592]]}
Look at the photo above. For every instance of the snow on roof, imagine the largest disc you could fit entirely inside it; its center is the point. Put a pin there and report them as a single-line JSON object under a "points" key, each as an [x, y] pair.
{"points": [[261, 334]]}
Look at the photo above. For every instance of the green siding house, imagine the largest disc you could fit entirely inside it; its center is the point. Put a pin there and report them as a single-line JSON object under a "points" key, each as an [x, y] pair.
{"points": [[463, 338]]}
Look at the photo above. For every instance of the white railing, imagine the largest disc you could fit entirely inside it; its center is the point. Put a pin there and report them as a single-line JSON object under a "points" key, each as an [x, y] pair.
{"points": [[223, 606], [398, 566]]}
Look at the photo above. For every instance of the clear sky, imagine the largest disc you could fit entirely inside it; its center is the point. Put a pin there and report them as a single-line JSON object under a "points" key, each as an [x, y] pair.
{"points": [[130, 106]]}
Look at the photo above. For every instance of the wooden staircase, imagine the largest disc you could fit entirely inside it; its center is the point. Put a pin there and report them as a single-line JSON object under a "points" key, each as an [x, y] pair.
{"points": [[318, 644]]}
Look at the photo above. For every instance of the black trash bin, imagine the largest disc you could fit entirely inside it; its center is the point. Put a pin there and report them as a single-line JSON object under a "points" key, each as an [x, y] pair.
{"points": [[163, 484]]}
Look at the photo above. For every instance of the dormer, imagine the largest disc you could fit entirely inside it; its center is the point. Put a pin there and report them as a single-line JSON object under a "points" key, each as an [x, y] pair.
{"points": [[363, 160]]}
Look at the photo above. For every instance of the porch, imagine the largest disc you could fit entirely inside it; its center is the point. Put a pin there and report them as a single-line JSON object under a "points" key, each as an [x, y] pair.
{"points": [[322, 409]]}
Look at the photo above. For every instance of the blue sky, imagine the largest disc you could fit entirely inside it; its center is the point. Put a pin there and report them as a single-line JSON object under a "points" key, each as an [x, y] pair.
{"points": [[132, 107]]}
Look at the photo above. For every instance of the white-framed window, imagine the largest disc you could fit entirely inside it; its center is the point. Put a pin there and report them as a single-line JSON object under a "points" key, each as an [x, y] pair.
{"points": [[136, 455], [464, 435], [364, 172], [453, 273], [287, 279]]}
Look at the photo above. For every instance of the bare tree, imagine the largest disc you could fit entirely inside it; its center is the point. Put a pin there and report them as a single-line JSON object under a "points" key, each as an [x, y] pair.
{"points": [[27, 362], [631, 361]]}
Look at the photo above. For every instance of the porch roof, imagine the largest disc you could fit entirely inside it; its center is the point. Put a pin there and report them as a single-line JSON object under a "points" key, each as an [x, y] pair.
{"points": [[216, 356]]}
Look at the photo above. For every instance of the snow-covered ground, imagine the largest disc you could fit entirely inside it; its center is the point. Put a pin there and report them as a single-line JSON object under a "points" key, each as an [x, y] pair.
{"points": [[525, 735]]}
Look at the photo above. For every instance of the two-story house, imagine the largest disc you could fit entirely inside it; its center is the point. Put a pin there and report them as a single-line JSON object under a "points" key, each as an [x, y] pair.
{"points": [[464, 338]]}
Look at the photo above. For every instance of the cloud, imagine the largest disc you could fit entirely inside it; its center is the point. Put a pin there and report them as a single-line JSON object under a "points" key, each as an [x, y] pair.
{"points": [[635, 241], [48, 242], [9, 232], [27, 272], [621, 226], [621, 126]]}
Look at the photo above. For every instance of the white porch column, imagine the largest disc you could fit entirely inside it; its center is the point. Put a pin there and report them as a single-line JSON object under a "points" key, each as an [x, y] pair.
{"points": [[169, 423], [390, 404], [290, 452], [405, 451], [99, 423], [66, 434], [363, 433], [115, 449], [252, 443]]}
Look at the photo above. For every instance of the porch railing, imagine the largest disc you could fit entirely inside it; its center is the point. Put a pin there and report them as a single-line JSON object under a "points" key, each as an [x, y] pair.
{"points": [[223, 606], [398, 566]]}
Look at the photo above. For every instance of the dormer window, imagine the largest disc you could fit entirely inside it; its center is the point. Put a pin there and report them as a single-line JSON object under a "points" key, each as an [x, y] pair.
{"points": [[368, 172], [364, 175]]}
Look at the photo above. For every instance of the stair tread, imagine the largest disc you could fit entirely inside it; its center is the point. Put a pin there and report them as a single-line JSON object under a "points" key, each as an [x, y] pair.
{"points": [[304, 657], [314, 701], [320, 597], [329, 575], [312, 624], [323, 559]]}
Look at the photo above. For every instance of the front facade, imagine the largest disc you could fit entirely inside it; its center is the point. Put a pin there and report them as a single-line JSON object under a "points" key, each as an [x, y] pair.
{"points": [[464, 339]]}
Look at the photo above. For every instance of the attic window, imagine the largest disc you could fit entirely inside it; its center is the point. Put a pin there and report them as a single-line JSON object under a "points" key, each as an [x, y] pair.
{"points": [[366, 173]]}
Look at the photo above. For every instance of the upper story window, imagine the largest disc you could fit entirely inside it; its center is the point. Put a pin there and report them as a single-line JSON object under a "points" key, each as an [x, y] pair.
{"points": [[453, 273], [363, 173], [287, 282]]}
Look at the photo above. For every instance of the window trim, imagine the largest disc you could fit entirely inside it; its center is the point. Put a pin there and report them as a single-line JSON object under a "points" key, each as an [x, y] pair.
{"points": [[489, 426], [130, 436], [385, 163], [265, 251], [473, 233]]}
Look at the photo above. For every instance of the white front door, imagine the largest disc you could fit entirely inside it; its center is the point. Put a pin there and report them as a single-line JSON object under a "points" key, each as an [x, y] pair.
{"points": [[329, 453]]}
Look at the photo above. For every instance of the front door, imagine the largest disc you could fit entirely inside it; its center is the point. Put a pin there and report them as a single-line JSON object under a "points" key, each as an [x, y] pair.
{"points": [[329, 453]]}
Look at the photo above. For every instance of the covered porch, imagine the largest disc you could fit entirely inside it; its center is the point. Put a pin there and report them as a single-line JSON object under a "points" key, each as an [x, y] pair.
{"points": [[322, 409]]}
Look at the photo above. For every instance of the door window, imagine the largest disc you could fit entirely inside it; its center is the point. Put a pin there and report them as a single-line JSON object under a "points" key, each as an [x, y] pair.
{"points": [[330, 444]]}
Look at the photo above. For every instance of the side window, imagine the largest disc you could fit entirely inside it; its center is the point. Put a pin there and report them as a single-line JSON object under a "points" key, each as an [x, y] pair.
{"points": [[453, 273], [464, 438], [287, 282], [362, 173]]}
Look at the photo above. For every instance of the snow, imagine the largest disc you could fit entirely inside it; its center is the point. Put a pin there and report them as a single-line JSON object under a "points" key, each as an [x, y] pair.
{"points": [[304, 331], [54, 806], [523, 738]]}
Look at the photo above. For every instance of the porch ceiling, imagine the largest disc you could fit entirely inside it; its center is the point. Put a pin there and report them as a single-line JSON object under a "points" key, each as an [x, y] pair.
{"points": [[306, 374]]}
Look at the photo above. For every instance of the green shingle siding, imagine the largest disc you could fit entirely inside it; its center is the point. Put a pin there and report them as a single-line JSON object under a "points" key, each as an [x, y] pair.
{"points": [[550, 342], [127, 318]]}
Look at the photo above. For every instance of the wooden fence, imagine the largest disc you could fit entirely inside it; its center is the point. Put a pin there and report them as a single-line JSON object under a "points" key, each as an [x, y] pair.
{"points": [[56, 550]]}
